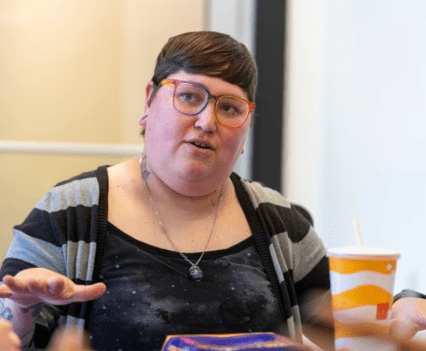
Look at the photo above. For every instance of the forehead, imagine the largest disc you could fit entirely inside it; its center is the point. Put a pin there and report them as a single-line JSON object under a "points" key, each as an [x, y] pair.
{"points": [[215, 85]]}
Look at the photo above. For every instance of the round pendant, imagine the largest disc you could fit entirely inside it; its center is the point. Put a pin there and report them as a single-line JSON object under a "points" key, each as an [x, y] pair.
{"points": [[195, 273]]}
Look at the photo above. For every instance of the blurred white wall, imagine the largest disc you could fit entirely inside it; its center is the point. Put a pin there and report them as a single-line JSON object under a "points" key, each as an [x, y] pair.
{"points": [[236, 18], [356, 123]]}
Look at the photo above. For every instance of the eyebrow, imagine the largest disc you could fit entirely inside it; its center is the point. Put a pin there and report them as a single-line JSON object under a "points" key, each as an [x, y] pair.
{"points": [[203, 86], [198, 84]]}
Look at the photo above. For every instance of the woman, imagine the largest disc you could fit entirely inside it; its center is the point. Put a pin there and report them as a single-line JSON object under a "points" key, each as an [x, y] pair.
{"points": [[180, 244]]}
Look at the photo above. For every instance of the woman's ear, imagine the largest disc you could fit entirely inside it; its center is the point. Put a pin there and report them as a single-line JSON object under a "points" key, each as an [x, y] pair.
{"points": [[149, 91], [149, 95]]}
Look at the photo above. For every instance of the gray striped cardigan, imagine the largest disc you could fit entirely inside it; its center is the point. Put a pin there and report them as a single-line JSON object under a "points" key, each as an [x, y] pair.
{"points": [[65, 232]]}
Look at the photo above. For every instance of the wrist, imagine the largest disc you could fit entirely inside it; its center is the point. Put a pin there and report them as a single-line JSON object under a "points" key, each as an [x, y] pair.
{"points": [[408, 293]]}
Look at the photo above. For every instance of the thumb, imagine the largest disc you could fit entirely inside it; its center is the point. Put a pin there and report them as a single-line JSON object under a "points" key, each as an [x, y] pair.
{"points": [[89, 292]]}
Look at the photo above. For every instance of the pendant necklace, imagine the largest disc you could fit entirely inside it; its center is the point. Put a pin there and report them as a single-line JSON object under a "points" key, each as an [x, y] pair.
{"points": [[195, 273]]}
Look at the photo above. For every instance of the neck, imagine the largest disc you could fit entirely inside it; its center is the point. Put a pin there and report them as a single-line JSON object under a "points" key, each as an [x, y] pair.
{"points": [[166, 196]]}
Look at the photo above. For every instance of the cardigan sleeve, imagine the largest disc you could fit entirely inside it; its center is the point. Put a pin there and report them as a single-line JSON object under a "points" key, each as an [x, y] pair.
{"points": [[301, 255], [59, 235], [298, 253], [59, 231]]}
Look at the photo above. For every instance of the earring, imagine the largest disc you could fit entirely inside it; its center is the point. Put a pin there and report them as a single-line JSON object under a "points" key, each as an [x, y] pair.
{"points": [[142, 119]]}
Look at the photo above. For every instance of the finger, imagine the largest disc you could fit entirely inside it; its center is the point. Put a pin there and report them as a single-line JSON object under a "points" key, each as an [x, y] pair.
{"points": [[401, 329], [16, 285], [15, 341], [37, 286], [56, 286], [8, 336], [5, 291], [89, 292]]}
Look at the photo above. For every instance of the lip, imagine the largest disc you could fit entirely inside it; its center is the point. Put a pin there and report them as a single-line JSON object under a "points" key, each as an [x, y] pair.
{"points": [[208, 144]]}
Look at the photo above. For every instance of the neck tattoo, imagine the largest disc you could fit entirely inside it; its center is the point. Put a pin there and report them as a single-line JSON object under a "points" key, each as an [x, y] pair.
{"points": [[195, 273]]}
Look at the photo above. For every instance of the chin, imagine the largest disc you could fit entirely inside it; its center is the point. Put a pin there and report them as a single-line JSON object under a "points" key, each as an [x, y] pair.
{"points": [[203, 177], [196, 174]]}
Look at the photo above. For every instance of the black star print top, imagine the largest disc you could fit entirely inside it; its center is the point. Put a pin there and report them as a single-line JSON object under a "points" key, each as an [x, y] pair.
{"points": [[150, 296]]}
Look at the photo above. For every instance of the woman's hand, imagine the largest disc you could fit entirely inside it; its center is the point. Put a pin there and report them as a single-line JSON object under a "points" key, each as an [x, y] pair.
{"points": [[69, 340], [35, 285], [408, 317], [9, 341]]}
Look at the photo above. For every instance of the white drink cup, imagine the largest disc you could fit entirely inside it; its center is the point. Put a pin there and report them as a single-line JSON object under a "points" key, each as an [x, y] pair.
{"points": [[362, 281]]}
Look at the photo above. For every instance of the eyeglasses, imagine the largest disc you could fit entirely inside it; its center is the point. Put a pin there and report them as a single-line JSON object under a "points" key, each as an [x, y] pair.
{"points": [[191, 98]]}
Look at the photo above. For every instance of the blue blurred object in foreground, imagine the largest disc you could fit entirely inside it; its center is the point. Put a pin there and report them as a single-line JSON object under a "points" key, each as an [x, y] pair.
{"points": [[231, 342]]}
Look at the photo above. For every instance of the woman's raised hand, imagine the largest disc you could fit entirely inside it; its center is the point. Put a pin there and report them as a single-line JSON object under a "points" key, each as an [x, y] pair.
{"points": [[35, 285]]}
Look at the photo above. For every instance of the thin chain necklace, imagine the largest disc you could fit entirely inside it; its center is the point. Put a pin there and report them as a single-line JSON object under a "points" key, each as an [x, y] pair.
{"points": [[195, 273]]}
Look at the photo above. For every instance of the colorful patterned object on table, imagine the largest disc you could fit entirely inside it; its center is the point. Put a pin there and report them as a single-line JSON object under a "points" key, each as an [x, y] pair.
{"points": [[230, 342]]}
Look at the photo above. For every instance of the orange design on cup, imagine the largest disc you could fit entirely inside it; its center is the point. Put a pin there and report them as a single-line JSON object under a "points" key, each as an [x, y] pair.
{"points": [[361, 296], [348, 266]]}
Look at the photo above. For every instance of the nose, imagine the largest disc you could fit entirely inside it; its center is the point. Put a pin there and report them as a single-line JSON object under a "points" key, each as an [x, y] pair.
{"points": [[206, 119]]}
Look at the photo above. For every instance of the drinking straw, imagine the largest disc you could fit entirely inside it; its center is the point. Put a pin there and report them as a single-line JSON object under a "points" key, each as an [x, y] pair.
{"points": [[360, 238]]}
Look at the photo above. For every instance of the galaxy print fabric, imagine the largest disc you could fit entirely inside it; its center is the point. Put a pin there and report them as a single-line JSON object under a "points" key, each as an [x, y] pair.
{"points": [[149, 295]]}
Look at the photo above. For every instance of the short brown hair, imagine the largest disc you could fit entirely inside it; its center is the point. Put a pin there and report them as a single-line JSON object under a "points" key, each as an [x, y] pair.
{"points": [[210, 53]]}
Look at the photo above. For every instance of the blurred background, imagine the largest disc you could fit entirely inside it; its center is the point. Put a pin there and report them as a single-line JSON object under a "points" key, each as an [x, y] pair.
{"points": [[340, 118]]}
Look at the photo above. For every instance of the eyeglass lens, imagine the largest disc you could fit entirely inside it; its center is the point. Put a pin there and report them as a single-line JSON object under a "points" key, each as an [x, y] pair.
{"points": [[191, 99]]}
